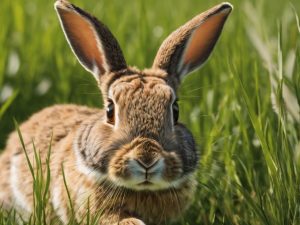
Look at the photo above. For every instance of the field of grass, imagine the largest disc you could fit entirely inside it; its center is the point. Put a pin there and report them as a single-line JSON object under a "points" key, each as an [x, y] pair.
{"points": [[242, 106]]}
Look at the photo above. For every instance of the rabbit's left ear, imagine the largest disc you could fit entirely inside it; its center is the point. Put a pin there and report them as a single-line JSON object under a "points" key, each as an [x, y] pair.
{"points": [[91, 41], [189, 46]]}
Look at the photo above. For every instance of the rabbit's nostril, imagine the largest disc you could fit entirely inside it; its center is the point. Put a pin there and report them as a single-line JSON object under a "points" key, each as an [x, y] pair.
{"points": [[147, 164]]}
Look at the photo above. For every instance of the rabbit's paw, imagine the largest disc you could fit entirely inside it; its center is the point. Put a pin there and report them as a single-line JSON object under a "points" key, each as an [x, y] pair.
{"points": [[131, 221]]}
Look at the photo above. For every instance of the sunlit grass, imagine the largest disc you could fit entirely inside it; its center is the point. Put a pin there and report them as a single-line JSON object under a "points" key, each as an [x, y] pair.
{"points": [[243, 106]]}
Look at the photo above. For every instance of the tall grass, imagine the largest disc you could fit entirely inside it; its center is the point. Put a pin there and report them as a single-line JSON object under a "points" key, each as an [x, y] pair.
{"points": [[243, 106]]}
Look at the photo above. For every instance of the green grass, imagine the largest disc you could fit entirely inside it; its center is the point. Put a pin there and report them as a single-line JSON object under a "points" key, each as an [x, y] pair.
{"points": [[249, 166]]}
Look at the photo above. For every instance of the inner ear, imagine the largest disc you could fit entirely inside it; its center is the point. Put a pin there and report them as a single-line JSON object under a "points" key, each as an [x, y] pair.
{"points": [[84, 41], [91, 41], [188, 47], [202, 42]]}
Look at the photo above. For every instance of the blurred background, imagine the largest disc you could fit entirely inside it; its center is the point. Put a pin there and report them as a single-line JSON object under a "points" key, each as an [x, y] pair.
{"points": [[242, 106]]}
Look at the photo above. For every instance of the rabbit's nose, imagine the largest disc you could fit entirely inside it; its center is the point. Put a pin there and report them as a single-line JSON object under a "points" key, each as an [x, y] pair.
{"points": [[147, 156], [147, 164], [147, 171]]}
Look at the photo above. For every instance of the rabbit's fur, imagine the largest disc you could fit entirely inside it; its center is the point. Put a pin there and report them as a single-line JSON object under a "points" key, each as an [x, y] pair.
{"points": [[135, 167]]}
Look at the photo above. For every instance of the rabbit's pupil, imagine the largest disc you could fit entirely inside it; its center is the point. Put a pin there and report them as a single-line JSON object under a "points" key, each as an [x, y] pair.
{"points": [[110, 113], [175, 112]]}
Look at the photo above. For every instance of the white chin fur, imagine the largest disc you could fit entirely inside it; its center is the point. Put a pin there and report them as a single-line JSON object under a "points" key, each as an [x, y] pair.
{"points": [[138, 177], [157, 185]]}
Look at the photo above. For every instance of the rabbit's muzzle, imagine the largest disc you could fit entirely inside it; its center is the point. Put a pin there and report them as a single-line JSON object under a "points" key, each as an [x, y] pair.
{"points": [[144, 165], [147, 152]]}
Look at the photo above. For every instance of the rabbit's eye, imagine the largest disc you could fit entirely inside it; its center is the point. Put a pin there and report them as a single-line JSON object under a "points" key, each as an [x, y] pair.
{"points": [[175, 111], [110, 112]]}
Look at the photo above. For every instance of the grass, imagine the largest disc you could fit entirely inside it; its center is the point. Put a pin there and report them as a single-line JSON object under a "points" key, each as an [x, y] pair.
{"points": [[242, 106]]}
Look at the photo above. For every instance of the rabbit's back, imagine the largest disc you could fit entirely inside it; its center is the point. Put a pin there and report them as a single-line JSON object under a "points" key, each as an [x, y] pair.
{"points": [[54, 122], [51, 126]]}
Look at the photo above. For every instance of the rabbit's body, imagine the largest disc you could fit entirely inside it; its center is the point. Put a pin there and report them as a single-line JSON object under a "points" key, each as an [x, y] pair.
{"points": [[132, 163], [62, 123]]}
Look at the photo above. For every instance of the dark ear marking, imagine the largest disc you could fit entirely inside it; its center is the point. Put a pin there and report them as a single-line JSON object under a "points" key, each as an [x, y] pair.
{"points": [[91, 41], [188, 47]]}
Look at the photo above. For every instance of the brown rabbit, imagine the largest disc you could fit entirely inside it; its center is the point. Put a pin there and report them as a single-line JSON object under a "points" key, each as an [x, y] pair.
{"points": [[133, 161]]}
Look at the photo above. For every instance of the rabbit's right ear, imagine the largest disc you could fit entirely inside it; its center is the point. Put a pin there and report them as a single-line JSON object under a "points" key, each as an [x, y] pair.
{"points": [[91, 41], [188, 47]]}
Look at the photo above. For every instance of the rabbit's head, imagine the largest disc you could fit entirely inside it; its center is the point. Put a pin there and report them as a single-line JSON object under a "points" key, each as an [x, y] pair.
{"points": [[138, 142]]}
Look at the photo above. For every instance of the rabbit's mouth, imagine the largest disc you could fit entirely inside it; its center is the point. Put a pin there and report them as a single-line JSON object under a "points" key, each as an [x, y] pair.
{"points": [[138, 176], [145, 183], [144, 165]]}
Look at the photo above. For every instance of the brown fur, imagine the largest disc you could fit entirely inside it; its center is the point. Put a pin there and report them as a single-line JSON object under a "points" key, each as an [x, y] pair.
{"points": [[137, 168]]}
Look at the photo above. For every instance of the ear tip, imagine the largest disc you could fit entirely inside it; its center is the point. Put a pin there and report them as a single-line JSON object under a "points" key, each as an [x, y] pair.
{"points": [[62, 4], [226, 7]]}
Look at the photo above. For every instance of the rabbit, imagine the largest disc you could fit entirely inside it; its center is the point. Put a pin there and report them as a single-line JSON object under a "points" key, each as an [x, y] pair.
{"points": [[133, 160]]}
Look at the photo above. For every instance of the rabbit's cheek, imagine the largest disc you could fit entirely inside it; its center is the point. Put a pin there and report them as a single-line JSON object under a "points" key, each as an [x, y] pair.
{"points": [[173, 167], [118, 169]]}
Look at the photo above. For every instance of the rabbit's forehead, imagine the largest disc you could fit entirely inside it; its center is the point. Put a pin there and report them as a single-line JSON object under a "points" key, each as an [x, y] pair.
{"points": [[141, 87]]}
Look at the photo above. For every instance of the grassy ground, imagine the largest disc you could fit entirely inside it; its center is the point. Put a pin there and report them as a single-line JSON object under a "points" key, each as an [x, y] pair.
{"points": [[243, 106]]}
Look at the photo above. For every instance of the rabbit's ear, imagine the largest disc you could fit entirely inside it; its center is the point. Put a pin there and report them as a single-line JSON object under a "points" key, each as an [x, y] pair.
{"points": [[188, 47], [91, 41]]}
